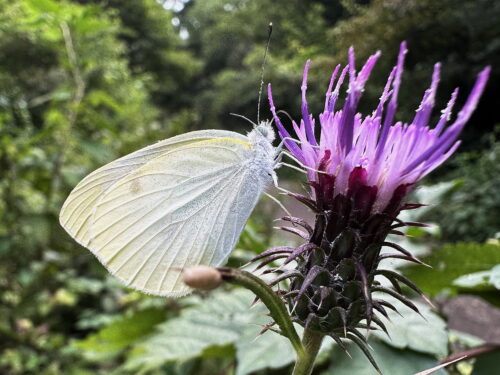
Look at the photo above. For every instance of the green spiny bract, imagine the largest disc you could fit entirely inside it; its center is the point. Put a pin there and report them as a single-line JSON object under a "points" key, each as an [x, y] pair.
{"points": [[331, 287]]}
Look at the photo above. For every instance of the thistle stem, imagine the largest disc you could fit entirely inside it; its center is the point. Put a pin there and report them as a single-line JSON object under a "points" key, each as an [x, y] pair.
{"points": [[274, 303], [311, 341]]}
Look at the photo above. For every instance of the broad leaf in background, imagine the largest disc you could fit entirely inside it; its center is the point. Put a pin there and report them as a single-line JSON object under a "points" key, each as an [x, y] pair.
{"points": [[483, 280], [391, 361], [450, 262], [215, 324], [119, 334], [412, 331], [470, 212], [268, 351]]}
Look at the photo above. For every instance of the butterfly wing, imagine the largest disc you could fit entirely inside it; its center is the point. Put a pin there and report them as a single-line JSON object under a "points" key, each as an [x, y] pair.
{"points": [[186, 206], [76, 213]]}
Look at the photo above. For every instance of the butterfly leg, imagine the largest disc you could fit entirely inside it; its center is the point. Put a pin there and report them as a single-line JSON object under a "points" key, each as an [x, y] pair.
{"points": [[275, 178], [275, 200], [286, 153], [279, 148], [283, 164]]}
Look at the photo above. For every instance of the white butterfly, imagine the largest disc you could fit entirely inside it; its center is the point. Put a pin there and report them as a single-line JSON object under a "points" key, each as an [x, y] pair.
{"points": [[181, 202]]}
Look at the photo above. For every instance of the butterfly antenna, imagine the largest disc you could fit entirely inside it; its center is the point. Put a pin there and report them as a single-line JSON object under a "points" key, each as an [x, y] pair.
{"points": [[286, 114], [270, 31], [244, 117]]}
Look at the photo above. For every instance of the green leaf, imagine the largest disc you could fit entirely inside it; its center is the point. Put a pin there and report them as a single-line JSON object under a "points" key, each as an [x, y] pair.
{"points": [[210, 322], [208, 327], [119, 334], [268, 351], [451, 262], [412, 331], [483, 280], [464, 339], [390, 360]]}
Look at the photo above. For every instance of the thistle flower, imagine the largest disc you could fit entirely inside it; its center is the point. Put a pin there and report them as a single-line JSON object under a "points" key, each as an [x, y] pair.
{"points": [[360, 170]]}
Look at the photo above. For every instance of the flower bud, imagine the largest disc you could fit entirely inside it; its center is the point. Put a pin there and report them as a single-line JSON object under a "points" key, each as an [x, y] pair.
{"points": [[202, 277]]}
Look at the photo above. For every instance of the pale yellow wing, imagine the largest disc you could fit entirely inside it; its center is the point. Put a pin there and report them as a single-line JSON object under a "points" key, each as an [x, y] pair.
{"points": [[186, 206], [79, 206]]}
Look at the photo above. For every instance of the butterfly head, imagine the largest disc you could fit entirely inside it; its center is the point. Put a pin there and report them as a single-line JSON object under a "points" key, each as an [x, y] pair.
{"points": [[264, 129]]}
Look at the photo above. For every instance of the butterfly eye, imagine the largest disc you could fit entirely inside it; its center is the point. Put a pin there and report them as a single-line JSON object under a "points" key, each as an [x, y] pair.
{"points": [[263, 130]]}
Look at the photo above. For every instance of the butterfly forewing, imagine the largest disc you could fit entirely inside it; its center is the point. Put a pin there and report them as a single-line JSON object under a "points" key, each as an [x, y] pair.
{"points": [[185, 206], [79, 206]]}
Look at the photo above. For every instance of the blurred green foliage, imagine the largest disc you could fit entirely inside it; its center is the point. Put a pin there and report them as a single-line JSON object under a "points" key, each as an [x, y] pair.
{"points": [[452, 261], [85, 81], [69, 101], [472, 208]]}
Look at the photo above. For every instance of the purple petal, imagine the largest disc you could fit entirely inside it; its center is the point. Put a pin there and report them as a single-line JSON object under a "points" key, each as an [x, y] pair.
{"points": [[330, 86], [305, 113], [370, 160], [295, 150], [335, 94], [446, 113], [451, 134], [385, 95], [391, 109], [424, 111]]}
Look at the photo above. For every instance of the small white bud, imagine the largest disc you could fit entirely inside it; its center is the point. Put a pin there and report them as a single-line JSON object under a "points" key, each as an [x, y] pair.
{"points": [[202, 277]]}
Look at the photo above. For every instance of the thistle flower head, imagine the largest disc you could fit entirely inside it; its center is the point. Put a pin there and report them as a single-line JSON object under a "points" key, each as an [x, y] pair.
{"points": [[360, 169], [375, 153]]}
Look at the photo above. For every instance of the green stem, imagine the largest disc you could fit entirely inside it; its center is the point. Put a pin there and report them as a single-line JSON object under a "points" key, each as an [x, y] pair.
{"points": [[274, 303], [311, 342]]}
